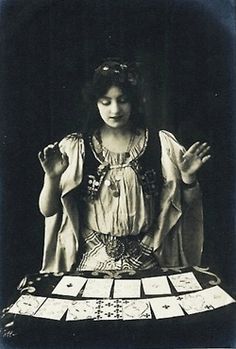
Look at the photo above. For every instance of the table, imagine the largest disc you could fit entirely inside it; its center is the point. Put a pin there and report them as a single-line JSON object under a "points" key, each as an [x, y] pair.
{"points": [[209, 329]]}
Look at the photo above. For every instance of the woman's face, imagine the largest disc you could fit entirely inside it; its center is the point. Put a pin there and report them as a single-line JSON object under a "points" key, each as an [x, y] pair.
{"points": [[114, 108]]}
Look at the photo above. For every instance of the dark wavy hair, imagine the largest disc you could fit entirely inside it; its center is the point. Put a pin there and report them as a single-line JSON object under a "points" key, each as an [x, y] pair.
{"points": [[113, 73]]}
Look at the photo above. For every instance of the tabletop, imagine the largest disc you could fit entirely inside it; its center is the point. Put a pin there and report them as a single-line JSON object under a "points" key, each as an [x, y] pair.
{"points": [[212, 326]]}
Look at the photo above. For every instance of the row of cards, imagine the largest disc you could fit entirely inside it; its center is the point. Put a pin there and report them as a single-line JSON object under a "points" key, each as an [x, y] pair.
{"points": [[101, 288], [120, 309]]}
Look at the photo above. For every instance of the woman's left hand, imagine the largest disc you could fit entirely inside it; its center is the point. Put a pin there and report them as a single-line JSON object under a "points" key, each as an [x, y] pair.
{"points": [[192, 160]]}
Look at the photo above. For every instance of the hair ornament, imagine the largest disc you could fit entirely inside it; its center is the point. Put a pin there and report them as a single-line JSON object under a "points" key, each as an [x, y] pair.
{"points": [[127, 71], [123, 66]]}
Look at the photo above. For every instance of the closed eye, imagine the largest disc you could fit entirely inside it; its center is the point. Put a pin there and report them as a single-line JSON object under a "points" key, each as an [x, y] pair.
{"points": [[105, 101], [123, 99]]}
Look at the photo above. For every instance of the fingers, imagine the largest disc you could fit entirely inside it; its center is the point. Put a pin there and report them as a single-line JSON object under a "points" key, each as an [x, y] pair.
{"points": [[48, 151], [204, 151], [206, 158], [195, 157], [40, 156], [193, 147], [200, 150]]}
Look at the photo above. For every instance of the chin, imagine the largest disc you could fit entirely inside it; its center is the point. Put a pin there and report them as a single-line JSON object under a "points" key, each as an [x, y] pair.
{"points": [[118, 126]]}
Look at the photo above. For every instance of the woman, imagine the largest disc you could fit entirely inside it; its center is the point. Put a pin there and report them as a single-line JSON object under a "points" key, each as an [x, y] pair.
{"points": [[120, 196]]}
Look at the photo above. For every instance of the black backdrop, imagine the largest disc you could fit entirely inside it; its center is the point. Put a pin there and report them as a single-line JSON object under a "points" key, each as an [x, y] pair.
{"points": [[49, 49]]}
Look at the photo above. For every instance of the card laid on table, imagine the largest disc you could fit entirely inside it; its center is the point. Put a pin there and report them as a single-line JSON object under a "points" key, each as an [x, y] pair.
{"points": [[97, 288], [81, 310], [185, 282], [218, 297], [136, 309], [165, 307], [27, 305], [204, 300], [109, 309], [156, 285], [53, 308], [194, 303], [127, 289], [69, 285]]}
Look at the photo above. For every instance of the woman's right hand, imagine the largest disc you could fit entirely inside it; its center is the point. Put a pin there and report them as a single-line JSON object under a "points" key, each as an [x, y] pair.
{"points": [[53, 162]]}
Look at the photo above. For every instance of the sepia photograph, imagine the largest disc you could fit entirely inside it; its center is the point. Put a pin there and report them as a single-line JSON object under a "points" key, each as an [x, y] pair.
{"points": [[117, 174]]}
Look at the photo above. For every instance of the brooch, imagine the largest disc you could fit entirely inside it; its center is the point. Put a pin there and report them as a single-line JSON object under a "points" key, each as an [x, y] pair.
{"points": [[115, 248]]}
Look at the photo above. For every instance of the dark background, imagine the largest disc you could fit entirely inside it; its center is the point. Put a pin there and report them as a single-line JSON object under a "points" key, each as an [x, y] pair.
{"points": [[50, 48]]}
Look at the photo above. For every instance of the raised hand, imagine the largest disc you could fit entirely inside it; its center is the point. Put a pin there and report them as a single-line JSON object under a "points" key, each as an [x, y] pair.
{"points": [[193, 159], [53, 162]]}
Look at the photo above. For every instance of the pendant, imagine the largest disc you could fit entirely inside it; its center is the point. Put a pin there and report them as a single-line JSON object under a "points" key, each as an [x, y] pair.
{"points": [[113, 187], [115, 248]]}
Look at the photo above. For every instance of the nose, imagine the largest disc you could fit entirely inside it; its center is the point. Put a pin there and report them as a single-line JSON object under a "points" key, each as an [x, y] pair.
{"points": [[115, 108]]}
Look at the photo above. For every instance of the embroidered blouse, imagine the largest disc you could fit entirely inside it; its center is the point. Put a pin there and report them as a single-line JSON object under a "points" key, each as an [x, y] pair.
{"points": [[122, 207]]}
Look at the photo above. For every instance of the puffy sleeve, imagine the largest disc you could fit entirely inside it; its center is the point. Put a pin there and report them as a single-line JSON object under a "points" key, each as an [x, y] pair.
{"points": [[61, 238], [73, 147], [178, 237]]}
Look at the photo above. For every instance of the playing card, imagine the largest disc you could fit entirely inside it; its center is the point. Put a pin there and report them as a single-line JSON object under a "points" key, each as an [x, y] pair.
{"points": [[127, 289], [218, 297], [204, 300], [53, 308], [69, 285], [97, 288], [185, 282], [81, 310], [27, 305], [194, 302], [108, 309], [156, 285], [165, 307], [136, 309]]}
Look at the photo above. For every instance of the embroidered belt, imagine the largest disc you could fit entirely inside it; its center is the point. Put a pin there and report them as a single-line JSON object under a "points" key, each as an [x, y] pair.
{"points": [[116, 247]]}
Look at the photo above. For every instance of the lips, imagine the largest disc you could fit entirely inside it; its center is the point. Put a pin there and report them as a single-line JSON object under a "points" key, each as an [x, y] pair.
{"points": [[116, 117]]}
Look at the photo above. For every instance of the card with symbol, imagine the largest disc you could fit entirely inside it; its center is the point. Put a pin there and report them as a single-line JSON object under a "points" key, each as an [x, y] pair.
{"points": [[109, 309], [81, 310], [53, 308], [205, 300], [27, 305], [156, 285], [165, 307], [98, 288], [127, 289], [136, 309], [185, 282], [193, 303], [69, 286]]}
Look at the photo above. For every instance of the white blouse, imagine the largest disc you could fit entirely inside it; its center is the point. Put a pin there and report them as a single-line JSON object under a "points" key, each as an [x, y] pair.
{"points": [[122, 208]]}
